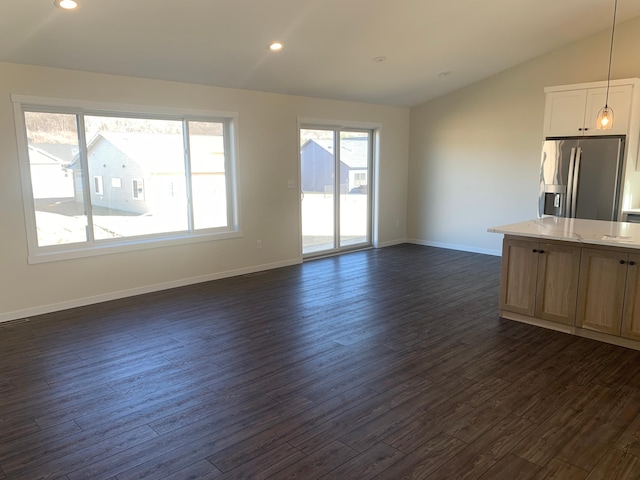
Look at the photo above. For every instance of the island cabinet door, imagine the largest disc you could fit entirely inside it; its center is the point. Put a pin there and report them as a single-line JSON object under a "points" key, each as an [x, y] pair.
{"points": [[601, 290], [631, 315], [557, 288], [518, 276]]}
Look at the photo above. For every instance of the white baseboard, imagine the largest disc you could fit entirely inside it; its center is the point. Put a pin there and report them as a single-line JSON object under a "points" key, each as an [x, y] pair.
{"points": [[81, 302], [451, 246], [391, 243]]}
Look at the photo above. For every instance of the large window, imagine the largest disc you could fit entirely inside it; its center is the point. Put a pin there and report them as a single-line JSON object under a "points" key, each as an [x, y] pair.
{"points": [[99, 180]]}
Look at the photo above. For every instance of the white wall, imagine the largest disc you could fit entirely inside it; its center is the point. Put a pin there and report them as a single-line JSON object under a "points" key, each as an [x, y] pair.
{"points": [[268, 157], [475, 153]]}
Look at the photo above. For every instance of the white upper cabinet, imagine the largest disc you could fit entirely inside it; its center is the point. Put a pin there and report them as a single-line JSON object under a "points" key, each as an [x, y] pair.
{"points": [[564, 113], [573, 112]]}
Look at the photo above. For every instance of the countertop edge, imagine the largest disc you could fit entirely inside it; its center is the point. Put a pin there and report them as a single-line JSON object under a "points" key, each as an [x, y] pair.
{"points": [[587, 232]]}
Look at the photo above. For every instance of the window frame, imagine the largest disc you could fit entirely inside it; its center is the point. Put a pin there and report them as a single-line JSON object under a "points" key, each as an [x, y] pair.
{"points": [[374, 174], [92, 247], [337, 128]]}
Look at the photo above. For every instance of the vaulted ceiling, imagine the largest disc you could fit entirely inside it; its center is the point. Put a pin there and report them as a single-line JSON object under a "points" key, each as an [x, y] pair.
{"points": [[400, 52]]}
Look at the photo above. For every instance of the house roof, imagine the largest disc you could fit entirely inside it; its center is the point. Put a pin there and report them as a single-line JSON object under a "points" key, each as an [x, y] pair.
{"points": [[62, 151], [38, 156], [353, 151], [163, 153]]}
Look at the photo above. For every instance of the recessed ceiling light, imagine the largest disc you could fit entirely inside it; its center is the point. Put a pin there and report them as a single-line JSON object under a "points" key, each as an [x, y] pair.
{"points": [[66, 4], [276, 46]]}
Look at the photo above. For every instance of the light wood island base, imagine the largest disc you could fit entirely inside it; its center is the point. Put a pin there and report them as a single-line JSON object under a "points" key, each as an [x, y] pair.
{"points": [[580, 277]]}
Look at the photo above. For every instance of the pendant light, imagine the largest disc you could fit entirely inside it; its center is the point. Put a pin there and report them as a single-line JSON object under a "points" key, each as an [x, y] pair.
{"points": [[605, 115]]}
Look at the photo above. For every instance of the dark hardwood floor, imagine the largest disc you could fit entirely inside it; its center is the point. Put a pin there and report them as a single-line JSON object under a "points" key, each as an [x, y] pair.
{"points": [[382, 364]]}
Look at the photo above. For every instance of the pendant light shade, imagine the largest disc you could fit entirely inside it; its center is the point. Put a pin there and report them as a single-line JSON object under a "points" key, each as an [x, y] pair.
{"points": [[605, 118], [605, 115]]}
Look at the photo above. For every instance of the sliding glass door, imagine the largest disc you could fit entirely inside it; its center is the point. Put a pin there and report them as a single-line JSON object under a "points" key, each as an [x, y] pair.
{"points": [[335, 174]]}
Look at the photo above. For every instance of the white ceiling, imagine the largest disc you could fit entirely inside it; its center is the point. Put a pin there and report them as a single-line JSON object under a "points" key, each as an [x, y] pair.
{"points": [[329, 44]]}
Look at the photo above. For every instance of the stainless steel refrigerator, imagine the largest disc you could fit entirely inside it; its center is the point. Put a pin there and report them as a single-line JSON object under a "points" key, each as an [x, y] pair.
{"points": [[580, 177]]}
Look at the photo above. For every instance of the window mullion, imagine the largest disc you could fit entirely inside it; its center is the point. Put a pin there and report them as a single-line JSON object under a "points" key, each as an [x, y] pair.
{"points": [[187, 174], [336, 187], [227, 136], [86, 178]]}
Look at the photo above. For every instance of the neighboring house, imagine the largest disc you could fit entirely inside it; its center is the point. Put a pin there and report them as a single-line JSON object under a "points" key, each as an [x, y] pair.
{"points": [[49, 177], [141, 172], [317, 164]]}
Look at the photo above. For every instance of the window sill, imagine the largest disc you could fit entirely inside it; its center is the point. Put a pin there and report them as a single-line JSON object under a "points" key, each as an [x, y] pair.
{"points": [[73, 251]]}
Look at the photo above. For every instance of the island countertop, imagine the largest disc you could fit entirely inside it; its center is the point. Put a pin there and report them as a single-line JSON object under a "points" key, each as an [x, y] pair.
{"points": [[595, 232]]}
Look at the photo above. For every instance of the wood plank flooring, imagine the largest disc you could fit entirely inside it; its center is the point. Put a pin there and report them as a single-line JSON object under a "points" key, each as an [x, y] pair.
{"points": [[382, 364]]}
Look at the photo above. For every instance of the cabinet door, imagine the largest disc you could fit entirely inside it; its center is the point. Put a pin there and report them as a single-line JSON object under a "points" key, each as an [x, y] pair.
{"points": [[620, 103], [557, 289], [564, 113], [518, 278], [601, 290], [631, 315]]}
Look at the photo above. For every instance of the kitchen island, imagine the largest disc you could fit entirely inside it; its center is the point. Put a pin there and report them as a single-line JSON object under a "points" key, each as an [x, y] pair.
{"points": [[573, 275]]}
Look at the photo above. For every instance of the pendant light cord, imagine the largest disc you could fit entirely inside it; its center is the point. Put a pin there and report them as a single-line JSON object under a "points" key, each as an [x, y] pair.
{"points": [[613, 31]]}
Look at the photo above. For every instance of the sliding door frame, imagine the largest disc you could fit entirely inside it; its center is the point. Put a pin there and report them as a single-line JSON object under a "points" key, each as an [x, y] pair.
{"points": [[372, 131]]}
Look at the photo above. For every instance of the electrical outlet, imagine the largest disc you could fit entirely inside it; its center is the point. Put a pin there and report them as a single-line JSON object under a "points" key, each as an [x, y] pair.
{"points": [[259, 244]]}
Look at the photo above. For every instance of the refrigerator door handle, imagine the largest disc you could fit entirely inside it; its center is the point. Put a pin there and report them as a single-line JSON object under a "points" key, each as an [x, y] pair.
{"points": [[569, 199], [574, 187]]}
